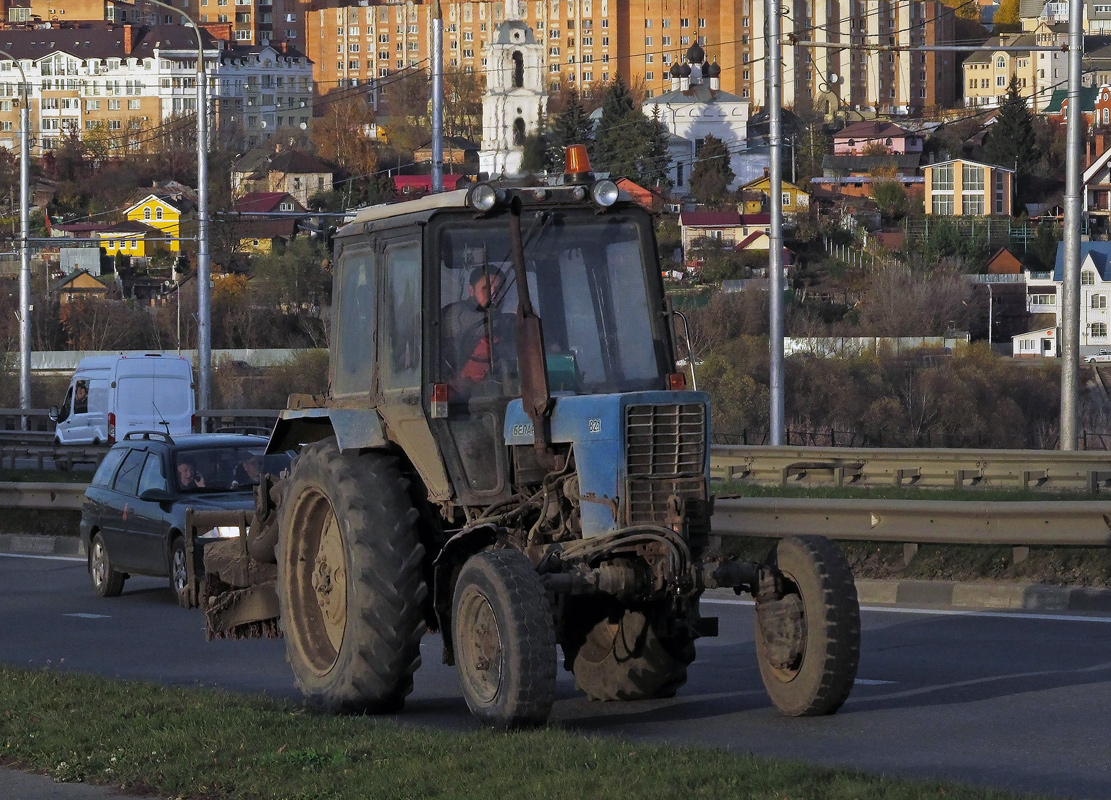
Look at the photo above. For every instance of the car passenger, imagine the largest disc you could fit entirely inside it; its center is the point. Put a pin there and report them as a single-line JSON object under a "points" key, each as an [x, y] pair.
{"points": [[248, 472]]}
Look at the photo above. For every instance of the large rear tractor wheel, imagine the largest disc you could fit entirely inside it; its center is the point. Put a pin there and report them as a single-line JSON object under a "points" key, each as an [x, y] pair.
{"points": [[808, 642], [504, 640], [625, 656], [350, 582]]}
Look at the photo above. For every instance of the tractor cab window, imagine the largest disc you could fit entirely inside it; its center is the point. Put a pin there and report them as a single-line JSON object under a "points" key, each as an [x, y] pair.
{"points": [[588, 279], [355, 350]]}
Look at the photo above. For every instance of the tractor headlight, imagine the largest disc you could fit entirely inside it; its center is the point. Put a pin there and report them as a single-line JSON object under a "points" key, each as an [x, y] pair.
{"points": [[482, 197], [604, 193]]}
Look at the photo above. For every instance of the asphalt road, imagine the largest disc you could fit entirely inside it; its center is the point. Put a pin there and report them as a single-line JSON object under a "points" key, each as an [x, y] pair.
{"points": [[1010, 700]]}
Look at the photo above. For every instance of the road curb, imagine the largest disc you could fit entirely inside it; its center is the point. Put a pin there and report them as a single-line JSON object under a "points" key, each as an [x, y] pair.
{"points": [[32, 545], [943, 594], [984, 596]]}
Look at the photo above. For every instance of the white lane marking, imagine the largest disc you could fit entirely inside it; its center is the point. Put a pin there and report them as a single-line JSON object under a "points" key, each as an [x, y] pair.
{"points": [[945, 612], [48, 558], [83, 615], [872, 682]]}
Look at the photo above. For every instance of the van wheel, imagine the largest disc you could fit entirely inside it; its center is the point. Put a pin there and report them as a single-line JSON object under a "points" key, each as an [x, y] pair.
{"points": [[107, 582]]}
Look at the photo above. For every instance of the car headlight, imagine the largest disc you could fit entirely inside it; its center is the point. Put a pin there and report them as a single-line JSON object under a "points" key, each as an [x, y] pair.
{"points": [[222, 532]]}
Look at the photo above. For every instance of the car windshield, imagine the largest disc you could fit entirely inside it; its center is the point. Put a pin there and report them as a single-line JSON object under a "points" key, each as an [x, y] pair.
{"points": [[223, 469], [588, 279]]}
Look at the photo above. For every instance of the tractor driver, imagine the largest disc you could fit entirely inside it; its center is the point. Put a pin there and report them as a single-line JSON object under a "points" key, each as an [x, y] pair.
{"points": [[477, 336]]}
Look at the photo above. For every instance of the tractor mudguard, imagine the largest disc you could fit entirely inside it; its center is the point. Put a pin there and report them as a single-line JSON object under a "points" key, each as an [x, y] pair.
{"points": [[354, 429], [455, 551]]}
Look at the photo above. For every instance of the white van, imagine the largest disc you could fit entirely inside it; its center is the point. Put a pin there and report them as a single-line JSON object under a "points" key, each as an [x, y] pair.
{"points": [[110, 396]]}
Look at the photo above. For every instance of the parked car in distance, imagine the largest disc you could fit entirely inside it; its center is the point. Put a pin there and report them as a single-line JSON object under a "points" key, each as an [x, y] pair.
{"points": [[1100, 357], [133, 518]]}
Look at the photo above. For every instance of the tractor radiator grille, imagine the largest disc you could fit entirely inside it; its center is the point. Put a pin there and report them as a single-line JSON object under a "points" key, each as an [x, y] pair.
{"points": [[665, 450]]}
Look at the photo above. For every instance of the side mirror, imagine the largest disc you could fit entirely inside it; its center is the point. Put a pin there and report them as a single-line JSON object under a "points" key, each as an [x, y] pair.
{"points": [[54, 412], [155, 495]]}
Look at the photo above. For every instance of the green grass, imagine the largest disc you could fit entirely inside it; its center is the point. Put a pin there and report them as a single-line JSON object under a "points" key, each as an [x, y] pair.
{"points": [[200, 743]]}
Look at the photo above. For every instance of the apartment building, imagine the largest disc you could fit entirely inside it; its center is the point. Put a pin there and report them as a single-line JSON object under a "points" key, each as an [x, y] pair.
{"points": [[121, 83], [254, 22], [1039, 72], [117, 11], [588, 41]]}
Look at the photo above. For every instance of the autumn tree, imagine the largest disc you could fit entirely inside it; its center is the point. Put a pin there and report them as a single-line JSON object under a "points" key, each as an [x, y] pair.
{"points": [[1006, 16], [712, 173], [406, 98], [888, 192], [899, 302], [105, 325], [463, 103], [342, 135]]}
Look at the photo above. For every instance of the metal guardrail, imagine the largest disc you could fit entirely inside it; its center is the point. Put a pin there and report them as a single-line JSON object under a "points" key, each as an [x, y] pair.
{"points": [[1019, 524], [939, 468], [42, 496], [1081, 523]]}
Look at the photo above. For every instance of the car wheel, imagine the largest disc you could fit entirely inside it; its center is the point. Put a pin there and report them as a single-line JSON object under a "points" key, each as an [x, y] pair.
{"points": [[107, 582], [184, 590]]}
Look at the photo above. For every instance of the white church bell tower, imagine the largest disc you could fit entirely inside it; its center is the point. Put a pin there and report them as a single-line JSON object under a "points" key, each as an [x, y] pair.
{"points": [[514, 96]]}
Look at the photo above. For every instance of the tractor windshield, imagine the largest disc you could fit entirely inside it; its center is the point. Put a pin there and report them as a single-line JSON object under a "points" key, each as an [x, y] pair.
{"points": [[589, 282]]}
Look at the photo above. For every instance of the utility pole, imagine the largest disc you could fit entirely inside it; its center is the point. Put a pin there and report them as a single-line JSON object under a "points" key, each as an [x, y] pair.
{"points": [[25, 306], [776, 413], [204, 264], [437, 97]]}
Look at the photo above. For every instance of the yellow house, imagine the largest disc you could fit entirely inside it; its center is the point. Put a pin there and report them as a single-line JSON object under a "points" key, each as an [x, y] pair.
{"points": [[966, 188], [754, 197], [171, 213], [131, 238]]}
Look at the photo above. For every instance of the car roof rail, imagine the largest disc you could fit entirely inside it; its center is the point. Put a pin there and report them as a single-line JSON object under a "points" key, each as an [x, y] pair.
{"points": [[161, 436]]}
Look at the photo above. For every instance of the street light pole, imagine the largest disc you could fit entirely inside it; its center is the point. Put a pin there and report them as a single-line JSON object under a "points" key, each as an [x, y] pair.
{"points": [[24, 245], [777, 406], [204, 265]]}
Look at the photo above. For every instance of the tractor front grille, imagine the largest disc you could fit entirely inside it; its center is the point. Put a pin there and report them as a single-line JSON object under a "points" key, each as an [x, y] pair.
{"points": [[665, 455]]}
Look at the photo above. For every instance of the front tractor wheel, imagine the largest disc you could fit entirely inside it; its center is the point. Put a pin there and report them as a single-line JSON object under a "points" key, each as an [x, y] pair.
{"points": [[504, 640], [808, 641], [626, 656], [350, 582]]}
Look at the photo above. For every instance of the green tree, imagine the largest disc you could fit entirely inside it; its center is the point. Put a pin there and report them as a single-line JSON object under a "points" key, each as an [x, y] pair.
{"points": [[570, 126], [712, 173], [1012, 142], [1042, 253], [891, 197], [627, 143]]}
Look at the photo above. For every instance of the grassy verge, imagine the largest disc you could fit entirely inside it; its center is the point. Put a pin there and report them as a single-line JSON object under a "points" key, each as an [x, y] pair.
{"points": [[213, 745]]}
